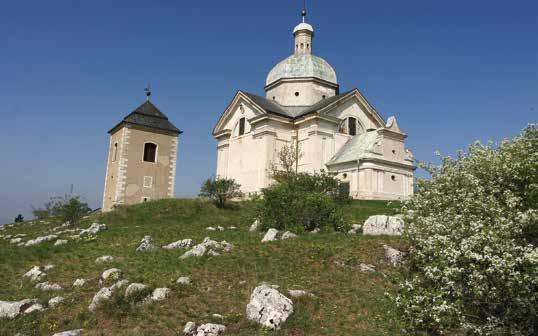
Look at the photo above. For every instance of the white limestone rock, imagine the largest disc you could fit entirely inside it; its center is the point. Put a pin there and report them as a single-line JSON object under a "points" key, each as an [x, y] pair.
{"points": [[180, 244], [102, 295], [210, 329], [354, 229], [36, 307], [134, 288], [146, 244], [93, 229], [316, 230], [197, 251], [269, 307], [60, 242], [213, 253], [55, 301], [208, 246], [383, 225], [104, 259], [393, 256], [48, 267], [48, 287], [12, 309], [35, 274], [189, 329], [159, 294], [15, 240], [112, 274], [183, 280], [270, 235], [210, 228], [40, 240], [76, 332], [254, 226], [288, 235], [79, 283], [220, 228], [119, 284], [366, 268], [232, 227]]}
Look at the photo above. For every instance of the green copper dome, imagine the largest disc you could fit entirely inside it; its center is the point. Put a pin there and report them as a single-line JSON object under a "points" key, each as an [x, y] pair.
{"points": [[298, 66]]}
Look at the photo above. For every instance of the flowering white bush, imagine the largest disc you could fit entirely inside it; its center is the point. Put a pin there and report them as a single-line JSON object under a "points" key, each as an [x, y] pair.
{"points": [[472, 267]]}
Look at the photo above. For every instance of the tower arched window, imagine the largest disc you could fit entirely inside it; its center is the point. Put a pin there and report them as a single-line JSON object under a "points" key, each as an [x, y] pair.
{"points": [[241, 126], [150, 152]]}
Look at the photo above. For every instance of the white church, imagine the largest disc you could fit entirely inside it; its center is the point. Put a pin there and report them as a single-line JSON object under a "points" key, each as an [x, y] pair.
{"points": [[337, 132]]}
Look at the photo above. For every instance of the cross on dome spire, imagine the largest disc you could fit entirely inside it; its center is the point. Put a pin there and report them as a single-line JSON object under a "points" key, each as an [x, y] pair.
{"points": [[303, 12]]}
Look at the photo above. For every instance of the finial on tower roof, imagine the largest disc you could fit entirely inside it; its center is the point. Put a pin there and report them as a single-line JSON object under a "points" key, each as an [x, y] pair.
{"points": [[303, 12], [147, 90]]}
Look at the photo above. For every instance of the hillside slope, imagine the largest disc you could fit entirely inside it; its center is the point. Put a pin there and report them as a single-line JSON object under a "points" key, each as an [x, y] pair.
{"points": [[346, 302]]}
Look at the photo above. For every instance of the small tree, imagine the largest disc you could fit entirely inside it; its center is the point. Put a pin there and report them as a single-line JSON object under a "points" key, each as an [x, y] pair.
{"points": [[220, 190], [70, 209], [19, 218], [472, 230]]}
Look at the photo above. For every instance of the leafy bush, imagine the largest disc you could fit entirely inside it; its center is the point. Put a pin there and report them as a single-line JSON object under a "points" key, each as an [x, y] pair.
{"points": [[473, 261], [220, 190], [300, 201], [19, 218], [70, 209]]}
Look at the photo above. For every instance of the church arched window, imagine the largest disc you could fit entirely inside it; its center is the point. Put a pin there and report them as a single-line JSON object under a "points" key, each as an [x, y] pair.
{"points": [[115, 153], [150, 152], [241, 126]]}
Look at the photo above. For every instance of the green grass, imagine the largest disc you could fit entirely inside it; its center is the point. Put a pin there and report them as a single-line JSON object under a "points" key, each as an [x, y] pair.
{"points": [[346, 302]]}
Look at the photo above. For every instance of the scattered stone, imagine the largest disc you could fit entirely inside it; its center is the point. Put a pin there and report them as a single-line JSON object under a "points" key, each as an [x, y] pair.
{"points": [[232, 228], [270, 235], [119, 285], [268, 307], [210, 228], [383, 225], [102, 295], [208, 246], [35, 274], [220, 228], [48, 267], [76, 332], [394, 256], [254, 226], [134, 288], [60, 242], [39, 240], [79, 283], [316, 230], [367, 268], [15, 240], [160, 294], [180, 244], [210, 329], [297, 293], [183, 280], [146, 244], [48, 287], [354, 229], [113, 274], [189, 329], [288, 235], [212, 253], [12, 309], [55, 301], [218, 316], [93, 229], [36, 307], [104, 259]]}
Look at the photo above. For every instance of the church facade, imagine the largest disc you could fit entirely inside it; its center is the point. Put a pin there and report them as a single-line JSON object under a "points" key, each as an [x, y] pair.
{"points": [[142, 156], [339, 132]]}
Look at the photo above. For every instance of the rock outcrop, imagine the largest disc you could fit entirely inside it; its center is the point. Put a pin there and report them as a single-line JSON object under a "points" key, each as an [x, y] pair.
{"points": [[35, 273], [112, 273], [208, 329], [12, 309], [183, 280], [102, 295], [79, 283], [76, 332], [393, 256], [268, 307], [180, 244], [288, 235], [48, 287], [254, 226], [60, 242], [40, 240], [104, 259], [93, 229], [270, 235], [55, 301], [209, 247], [383, 225], [146, 244]]}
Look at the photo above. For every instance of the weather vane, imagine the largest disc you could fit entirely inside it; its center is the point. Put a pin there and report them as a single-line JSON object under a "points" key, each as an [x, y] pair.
{"points": [[303, 12], [147, 90]]}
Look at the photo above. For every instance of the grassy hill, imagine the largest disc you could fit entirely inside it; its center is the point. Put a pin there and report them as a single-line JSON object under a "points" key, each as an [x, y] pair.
{"points": [[346, 302]]}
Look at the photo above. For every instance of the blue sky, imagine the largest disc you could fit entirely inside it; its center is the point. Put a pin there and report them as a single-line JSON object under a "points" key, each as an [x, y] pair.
{"points": [[450, 71]]}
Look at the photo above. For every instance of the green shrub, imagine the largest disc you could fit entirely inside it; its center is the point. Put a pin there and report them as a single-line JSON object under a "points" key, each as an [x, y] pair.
{"points": [[473, 260], [70, 209], [300, 201], [220, 190]]}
